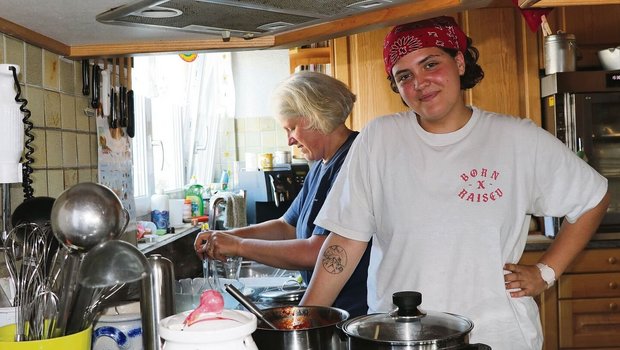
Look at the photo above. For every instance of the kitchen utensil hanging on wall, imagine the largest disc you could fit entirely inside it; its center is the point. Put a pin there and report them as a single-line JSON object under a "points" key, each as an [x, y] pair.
{"points": [[85, 78], [96, 89], [105, 87], [130, 107]]}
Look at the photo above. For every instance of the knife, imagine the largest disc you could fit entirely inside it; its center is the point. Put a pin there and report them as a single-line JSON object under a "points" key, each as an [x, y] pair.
{"points": [[85, 78]]}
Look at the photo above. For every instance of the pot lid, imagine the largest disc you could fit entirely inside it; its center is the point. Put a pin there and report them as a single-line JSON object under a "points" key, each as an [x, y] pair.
{"points": [[408, 324]]}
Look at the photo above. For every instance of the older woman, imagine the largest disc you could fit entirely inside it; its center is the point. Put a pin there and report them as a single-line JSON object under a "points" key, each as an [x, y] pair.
{"points": [[446, 191], [312, 108]]}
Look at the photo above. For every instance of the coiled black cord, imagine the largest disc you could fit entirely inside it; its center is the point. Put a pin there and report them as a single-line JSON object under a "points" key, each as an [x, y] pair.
{"points": [[26, 168]]}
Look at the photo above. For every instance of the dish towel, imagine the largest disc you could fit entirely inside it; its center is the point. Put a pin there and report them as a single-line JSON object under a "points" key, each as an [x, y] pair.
{"points": [[234, 214]]}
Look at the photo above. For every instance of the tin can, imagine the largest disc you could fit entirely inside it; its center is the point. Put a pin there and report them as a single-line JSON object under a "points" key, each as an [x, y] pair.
{"points": [[265, 161]]}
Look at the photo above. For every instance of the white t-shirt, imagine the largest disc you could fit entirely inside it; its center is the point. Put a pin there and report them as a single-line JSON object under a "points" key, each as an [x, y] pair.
{"points": [[447, 211]]}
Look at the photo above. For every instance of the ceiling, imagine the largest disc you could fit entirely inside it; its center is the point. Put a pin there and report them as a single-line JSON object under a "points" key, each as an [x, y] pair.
{"points": [[71, 28], [73, 23]]}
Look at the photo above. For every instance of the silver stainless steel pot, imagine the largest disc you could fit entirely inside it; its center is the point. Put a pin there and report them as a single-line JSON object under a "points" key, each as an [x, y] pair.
{"points": [[407, 327], [300, 327]]}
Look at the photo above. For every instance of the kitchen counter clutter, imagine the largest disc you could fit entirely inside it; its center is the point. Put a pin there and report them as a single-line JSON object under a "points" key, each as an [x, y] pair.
{"points": [[539, 242]]}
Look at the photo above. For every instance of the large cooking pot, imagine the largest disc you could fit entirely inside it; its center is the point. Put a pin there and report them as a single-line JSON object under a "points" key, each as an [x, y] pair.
{"points": [[300, 327], [407, 327]]}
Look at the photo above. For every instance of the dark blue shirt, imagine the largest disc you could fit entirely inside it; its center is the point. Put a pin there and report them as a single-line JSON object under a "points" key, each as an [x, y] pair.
{"points": [[304, 210]]}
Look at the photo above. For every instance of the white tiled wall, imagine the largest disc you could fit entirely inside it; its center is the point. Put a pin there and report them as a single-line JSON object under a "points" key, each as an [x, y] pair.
{"points": [[65, 150]]}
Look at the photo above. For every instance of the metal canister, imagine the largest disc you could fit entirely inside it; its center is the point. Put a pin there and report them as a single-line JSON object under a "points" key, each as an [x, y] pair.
{"points": [[560, 53], [156, 299]]}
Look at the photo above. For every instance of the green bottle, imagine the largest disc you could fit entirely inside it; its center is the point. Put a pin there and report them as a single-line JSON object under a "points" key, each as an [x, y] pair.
{"points": [[194, 194]]}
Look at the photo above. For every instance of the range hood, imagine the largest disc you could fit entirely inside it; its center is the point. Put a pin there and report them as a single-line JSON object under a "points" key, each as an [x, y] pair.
{"points": [[238, 18]]}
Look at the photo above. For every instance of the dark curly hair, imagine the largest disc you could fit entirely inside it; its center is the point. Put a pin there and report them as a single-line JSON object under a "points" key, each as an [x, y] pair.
{"points": [[473, 72]]}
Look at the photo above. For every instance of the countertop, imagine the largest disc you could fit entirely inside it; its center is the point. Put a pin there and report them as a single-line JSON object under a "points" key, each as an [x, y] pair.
{"points": [[538, 242], [160, 241]]}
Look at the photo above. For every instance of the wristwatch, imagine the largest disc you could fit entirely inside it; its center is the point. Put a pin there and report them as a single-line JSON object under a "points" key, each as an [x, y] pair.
{"points": [[547, 274]]}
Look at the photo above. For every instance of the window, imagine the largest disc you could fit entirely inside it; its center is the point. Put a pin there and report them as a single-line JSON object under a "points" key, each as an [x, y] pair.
{"points": [[177, 107]]}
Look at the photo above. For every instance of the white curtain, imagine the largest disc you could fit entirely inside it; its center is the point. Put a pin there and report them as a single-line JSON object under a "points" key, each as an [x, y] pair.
{"points": [[210, 98]]}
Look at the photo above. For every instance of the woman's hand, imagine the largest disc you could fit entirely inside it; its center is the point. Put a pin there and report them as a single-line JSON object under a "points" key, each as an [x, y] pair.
{"points": [[216, 245], [200, 243], [523, 280]]}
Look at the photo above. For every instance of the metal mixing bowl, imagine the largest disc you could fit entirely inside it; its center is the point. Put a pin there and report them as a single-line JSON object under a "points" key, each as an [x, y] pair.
{"points": [[610, 58]]}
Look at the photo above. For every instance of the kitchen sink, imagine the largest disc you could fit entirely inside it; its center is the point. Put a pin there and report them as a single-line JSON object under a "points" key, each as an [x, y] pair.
{"points": [[256, 269]]}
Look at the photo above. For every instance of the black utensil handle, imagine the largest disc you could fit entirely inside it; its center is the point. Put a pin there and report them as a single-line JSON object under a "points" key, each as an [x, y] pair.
{"points": [[95, 100], [122, 106], [130, 115], [112, 117], [85, 78]]}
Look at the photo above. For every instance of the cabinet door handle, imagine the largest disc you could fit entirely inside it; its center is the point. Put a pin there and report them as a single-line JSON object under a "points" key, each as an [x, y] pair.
{"points": [[613, 306], [612, 260], [613, 285]]}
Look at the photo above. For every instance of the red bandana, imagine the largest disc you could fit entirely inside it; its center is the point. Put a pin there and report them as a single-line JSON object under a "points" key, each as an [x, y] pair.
{"points": [[435, 32]]}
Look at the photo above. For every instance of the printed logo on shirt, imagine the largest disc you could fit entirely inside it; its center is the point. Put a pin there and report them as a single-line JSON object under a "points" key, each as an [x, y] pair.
{"points": [[480, 186]]}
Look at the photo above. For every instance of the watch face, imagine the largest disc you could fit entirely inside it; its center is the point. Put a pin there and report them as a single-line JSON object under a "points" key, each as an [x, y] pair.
{"points": [[547, 274]]}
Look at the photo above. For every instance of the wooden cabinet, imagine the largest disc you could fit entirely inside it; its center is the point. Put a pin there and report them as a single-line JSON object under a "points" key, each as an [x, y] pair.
{"points": [[308, 56], [583, 310], [358, 62], [508, 55]]}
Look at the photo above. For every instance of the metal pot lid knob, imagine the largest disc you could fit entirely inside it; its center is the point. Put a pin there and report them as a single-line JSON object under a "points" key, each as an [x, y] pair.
{"points": [[407, 303]]}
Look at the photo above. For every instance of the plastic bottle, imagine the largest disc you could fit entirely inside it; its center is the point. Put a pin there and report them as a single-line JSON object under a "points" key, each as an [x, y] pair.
{"points": [[194, 193], [224, 180], [187, 210], [160, 214]]}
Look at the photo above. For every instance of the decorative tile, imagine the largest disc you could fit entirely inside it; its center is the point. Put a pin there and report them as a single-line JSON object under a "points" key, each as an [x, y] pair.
{"points": [[252, 124], [82, 122], [36, 105], [240, 125], [39, 182], [67, 79], [84, 175], [267, 124], [16, 191], [268, 139], [252, 139], [54, 148], [51, 71], [55, 183], [70, 177], [93, 150], [39, 144], [67, 112], [69, 149], [15, 54], [34, 65], [83, 150], [52, 109]]}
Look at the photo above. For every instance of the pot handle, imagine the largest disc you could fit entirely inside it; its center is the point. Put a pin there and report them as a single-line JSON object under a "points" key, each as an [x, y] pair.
{"points": [[475, 347]]}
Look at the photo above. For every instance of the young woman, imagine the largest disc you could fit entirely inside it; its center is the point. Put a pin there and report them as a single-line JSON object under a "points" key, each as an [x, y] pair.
{"points": [[446, 191]]}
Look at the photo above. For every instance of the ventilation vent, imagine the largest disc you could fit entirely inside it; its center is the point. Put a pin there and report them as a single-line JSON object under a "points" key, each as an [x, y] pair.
{"points": [[242, 18]]}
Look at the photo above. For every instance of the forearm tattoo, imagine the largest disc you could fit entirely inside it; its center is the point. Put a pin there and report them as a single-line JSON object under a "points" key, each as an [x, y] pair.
{"points": [[334, 259]]}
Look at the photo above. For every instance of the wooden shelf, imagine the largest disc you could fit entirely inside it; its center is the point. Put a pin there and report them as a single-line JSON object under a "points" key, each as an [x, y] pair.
{"points": [[307, 56]]}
